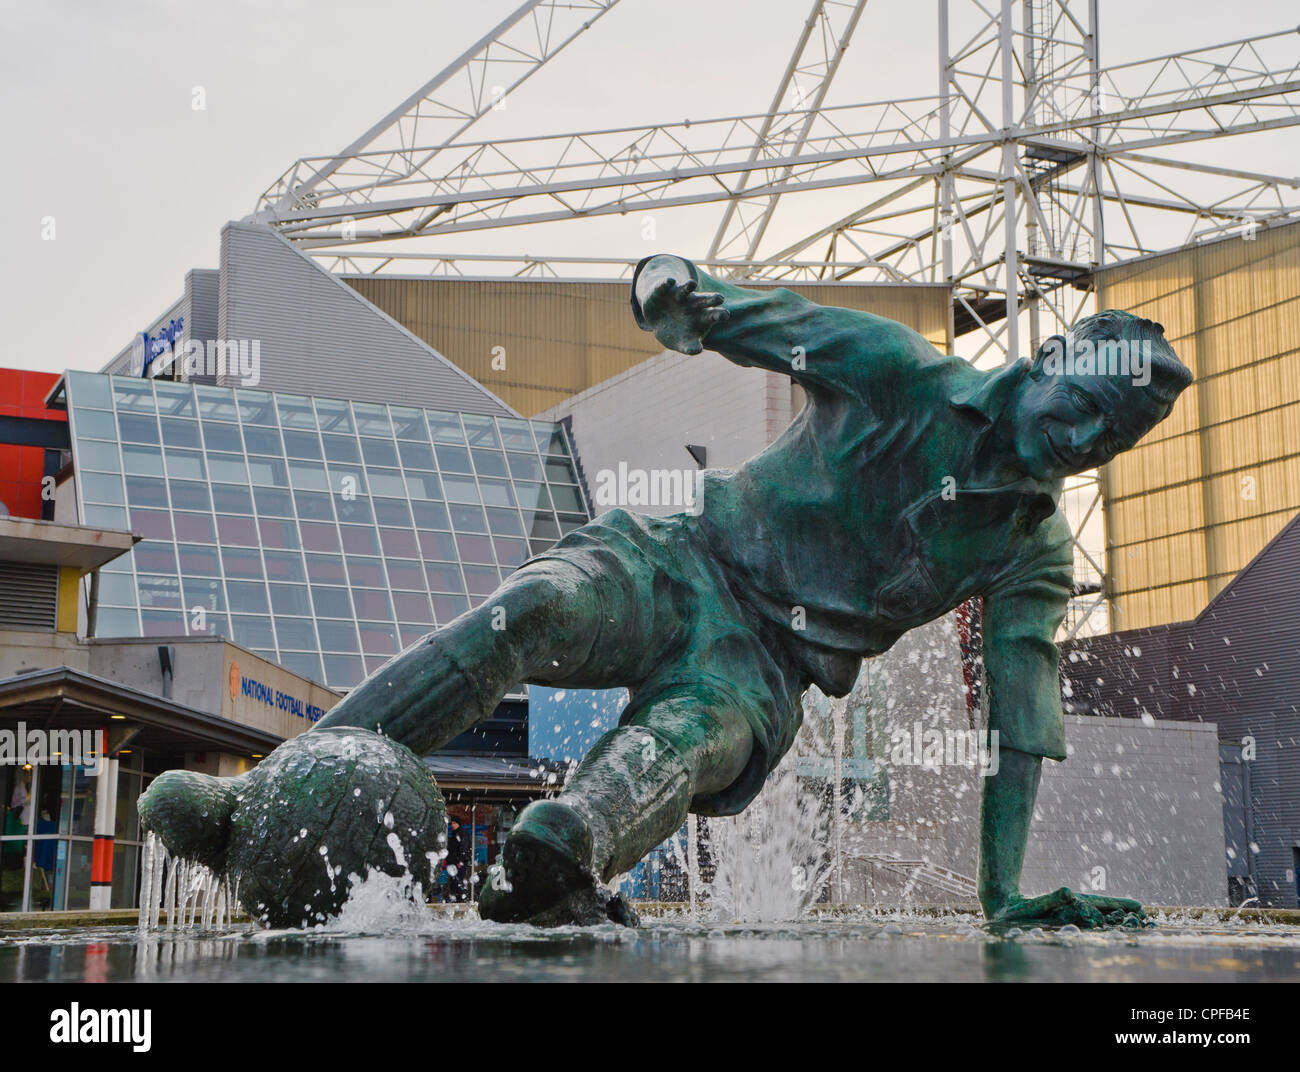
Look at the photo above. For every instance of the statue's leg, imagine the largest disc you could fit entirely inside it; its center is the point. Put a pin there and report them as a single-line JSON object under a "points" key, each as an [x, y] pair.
{"points": [[632, 791], [537, 626]]}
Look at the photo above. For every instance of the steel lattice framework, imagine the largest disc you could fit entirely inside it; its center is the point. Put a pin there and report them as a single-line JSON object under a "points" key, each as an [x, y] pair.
{"points": [[1031, 166]]}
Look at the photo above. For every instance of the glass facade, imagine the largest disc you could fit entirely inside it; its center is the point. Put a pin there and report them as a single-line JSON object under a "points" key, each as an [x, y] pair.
{"points": [[321, 533]]}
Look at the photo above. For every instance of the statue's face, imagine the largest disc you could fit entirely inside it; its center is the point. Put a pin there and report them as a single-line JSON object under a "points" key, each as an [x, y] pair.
{"points": [[1067, 424]]}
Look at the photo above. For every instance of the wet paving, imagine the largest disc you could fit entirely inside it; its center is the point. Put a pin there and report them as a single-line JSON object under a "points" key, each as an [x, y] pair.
{"points": [[867, 949]]}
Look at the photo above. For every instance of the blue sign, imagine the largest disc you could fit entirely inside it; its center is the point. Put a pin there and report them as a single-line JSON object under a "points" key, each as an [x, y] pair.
{"points": [[147, 347]]}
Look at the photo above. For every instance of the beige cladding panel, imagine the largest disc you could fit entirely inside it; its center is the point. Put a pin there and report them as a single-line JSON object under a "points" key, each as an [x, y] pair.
{"points": [[535, 343], [1203, 494]]}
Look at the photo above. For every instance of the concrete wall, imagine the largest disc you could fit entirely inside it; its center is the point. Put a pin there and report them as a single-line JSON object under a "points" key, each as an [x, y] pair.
{"points": [[1140, 802]]}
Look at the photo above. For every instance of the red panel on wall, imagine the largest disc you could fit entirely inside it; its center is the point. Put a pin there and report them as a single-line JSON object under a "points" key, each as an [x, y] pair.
{"points": [[22, 394]]}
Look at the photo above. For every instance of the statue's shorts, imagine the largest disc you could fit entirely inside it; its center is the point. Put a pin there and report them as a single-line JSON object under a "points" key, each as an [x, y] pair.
{"points": [[671, 628]]}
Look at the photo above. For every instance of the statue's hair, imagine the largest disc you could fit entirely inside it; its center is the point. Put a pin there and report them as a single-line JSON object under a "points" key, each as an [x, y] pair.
{"points": [[1169, 376]]}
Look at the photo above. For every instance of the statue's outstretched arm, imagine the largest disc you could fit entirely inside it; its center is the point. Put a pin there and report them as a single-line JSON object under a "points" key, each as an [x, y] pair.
{"points": [[824, 348]]}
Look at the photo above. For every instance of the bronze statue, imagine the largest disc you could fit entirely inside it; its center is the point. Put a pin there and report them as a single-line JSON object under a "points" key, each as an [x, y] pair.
{"points": [[909, 483]]}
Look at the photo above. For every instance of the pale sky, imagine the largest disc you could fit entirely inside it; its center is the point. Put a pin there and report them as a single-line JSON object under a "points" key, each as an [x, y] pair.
{"points": [[98, 130]]}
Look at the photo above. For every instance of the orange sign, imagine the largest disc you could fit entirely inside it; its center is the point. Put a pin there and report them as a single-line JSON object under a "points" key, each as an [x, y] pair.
{"points": [[234, 680]]}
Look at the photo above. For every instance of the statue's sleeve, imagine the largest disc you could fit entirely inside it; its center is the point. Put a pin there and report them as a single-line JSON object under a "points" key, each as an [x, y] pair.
{"points": [[820, 347], [1021, 660]]}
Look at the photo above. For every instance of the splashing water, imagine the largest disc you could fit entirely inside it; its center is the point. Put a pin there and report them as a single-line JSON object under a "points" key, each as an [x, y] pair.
{"points": [[178, 894]]}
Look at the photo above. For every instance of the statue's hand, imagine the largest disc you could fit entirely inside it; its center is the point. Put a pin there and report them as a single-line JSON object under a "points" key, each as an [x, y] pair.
{"points": [[1064, 906], [680, 315]]}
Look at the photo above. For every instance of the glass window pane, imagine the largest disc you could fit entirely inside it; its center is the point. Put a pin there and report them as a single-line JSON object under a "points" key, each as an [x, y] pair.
{"points": [[510, 553], [378, 452], [460, 489], [444, 577], [338, 636], [298, 634], [282, 535], [430, 515], [106, 517], [217, 436], [186, 464], [90, 389], [372, 604], [263, 441], [496, 492], [251, 632], [413, 607], [569, 522], [117, 589], [482, 580], [133, 394], [319, 536], [203, 592], [454, 459], [99, 452], [475, 549], [137, 428], [416, 455], [240, 531], [255, 407], [181, 433], [448, 607], [306, 664], [326, 569], [302, 445], [158, 593], [341, 448], [112, 622], [481, 431], [268, 472], [216, 402], [550, 438], [285, 566], [194, 528], [532, 497], [359, 540], [343, 671], [272, 502], [162, 623], [445, 427], [405, 573], [392, 512], [190, 495], [490, 463], [515, 434], [295, 412], [141, 461], [228, 468], [313, 506], [151, 524], [145, 491], [175, 399], [197, 561], [290, 599], [344, 480], [366, 572], [354, 511], [334, 415], [231, 499], [439, 546], [102, 488], [466, 518], [247, 596], [377, 638], [310, 475], [505, 523], [387, 482], [423, 486], [241, 562], [408, 423], [153, 557], [399, 542], [566, 497], [95, 424], [543, 527], [372, 419], [559, 471]]}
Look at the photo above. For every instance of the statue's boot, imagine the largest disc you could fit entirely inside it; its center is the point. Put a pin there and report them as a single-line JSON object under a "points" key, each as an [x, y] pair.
{"points": [[630, 793]]}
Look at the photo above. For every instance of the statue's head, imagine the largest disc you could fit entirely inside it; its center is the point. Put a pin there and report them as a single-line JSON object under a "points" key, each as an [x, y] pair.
{"points": [[1094, 392]]}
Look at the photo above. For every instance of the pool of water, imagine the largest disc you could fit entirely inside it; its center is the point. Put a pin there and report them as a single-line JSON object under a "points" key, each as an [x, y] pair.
{"points": [[898, 949]]}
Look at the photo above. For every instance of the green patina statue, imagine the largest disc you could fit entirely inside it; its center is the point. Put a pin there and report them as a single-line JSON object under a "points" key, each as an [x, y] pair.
{"points": [[909, 483]]}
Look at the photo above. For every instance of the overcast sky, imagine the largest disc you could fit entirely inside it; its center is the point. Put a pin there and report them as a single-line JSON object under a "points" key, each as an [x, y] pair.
{"points": [[98, 131]]}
